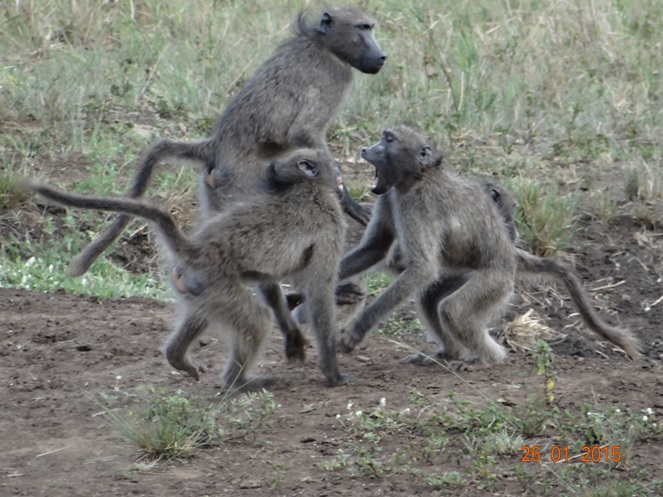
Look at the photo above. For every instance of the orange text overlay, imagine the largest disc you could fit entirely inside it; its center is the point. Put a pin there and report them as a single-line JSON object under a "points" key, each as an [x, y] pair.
{"points": [[588, 453]]}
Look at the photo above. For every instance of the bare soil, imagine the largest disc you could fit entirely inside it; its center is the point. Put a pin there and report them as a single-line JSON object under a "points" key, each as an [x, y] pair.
{"points": [[57, 349]]}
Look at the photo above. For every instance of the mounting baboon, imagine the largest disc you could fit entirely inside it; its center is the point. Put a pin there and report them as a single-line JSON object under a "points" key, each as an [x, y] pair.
{"points": [[452, 236], [273, 236], [289, 103]]}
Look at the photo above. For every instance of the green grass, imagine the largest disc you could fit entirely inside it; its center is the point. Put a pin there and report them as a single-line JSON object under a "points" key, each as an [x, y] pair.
{"points": [[500, 442], [176, 425], [553, 92]]}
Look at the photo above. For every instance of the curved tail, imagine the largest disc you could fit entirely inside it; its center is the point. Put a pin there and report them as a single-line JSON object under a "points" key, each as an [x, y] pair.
{"points": [[198, 151], [165, 223], [537, 266]]}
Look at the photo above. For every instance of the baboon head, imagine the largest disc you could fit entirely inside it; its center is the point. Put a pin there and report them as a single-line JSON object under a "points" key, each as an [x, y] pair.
{"points": [[347, 32], [304, 165], [506, 203], [400, 159]]}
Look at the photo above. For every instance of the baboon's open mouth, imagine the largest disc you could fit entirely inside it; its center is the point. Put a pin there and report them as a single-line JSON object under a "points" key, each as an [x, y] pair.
{"points": [[374, 183]]}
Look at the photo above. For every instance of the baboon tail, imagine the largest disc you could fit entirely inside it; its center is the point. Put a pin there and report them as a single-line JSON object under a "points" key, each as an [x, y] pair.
{"points": [[533, 266], [165, 223], [199, 151]]}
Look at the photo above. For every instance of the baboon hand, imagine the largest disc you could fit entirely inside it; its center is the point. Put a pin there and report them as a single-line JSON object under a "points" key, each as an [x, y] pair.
{"points": [[348, 340], [295, 344], [354, 210], [349, 294]]}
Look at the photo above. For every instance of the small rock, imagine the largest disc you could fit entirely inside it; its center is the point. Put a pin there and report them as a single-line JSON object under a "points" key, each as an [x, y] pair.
{"points": [[250, 484]]}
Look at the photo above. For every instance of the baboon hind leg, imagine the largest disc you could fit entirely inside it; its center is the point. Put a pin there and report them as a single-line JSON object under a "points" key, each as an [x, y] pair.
{"points": [[468, 311], [248, 321], [429, 304], [191, 327], [276, 300]]}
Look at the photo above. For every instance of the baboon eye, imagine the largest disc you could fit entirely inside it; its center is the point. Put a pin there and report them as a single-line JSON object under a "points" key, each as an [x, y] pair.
{"points": [[495, 194], [364, 27]]}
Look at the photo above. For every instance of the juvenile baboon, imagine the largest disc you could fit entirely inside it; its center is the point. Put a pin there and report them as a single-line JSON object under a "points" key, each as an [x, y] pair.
{"points": [[451, 237], [288, 103], [267, 239], [351, 296]]}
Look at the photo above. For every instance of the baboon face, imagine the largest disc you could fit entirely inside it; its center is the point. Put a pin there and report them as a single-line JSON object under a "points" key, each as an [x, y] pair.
{"points": [[400, 158], [303, 165], [348, 34]]}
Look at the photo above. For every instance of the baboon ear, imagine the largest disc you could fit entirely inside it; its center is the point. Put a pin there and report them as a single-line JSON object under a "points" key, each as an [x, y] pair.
{"points": [[310, 169], [425, 156], [326, 22], [495, 195]]}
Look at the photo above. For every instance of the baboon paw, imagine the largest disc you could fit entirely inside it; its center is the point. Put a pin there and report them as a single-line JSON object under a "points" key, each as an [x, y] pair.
{"points": [[346, 343], [349, 294], [295, 348], [463, 365], [337, 379]]}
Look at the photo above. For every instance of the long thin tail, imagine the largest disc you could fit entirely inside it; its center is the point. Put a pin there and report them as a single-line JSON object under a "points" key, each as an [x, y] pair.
{"points": [[165, 223], [198, 151], [538, 266]]}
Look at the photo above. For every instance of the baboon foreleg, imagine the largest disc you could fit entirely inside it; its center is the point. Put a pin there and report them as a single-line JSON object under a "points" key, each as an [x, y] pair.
{"points": [[179, 342], [399, 291], [294, 340]]}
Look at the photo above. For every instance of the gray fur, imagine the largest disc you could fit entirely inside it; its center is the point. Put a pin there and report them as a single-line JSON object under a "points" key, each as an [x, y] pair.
{"points": [[269, 238], [459, 260], [288, 103]]}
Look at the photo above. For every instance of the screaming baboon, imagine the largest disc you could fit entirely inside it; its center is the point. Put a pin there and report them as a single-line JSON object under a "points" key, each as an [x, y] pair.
{"points": [[272, 237], [288, 104], [351, 296], [452, 237]]}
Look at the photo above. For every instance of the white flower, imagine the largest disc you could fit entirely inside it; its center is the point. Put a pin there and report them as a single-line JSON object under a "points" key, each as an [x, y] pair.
{"points": [[349, 405], [84, 282], [649, 411], [383, 402], [118, 377], [406, 410], [618, 409], [358, 414], [644, 418], [338, 416]]}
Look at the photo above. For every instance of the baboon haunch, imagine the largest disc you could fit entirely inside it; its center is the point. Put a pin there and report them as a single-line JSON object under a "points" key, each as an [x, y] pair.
{"points": [[451, 236], [288, 103], [293, 231]]}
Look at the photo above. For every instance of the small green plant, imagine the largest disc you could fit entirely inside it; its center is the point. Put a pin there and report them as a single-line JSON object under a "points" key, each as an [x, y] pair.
{"points": [[546, 218], [377, 282], [175, 426]]}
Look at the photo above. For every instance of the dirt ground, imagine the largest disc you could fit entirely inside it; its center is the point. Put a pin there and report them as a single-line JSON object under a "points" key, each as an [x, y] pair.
{"points": [[56, 349]]}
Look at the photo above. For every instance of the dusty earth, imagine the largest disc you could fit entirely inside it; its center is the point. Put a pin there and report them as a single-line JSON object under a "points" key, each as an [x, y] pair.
{"points": [[57, 349]]}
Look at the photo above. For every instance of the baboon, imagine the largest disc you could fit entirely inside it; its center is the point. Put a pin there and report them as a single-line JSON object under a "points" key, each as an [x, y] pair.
{"points": [[288, 103], [269, 238], [351, 296], [451, 237]]}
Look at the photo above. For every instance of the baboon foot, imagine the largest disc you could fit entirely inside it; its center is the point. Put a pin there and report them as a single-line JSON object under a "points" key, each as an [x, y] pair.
{"points": [[243, 385], [295, 344], [187, 365], [438, 357], [336, 379], [349, 294]]}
